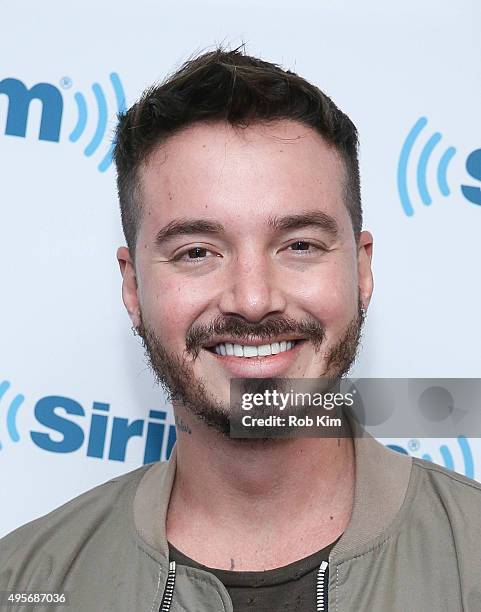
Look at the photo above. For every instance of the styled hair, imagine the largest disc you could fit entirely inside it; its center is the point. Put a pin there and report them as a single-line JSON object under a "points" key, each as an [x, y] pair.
{"points": [[230, 86]]}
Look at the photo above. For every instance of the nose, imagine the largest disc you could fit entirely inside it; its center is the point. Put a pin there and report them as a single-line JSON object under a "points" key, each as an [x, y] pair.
{"points": [[254, 290]]}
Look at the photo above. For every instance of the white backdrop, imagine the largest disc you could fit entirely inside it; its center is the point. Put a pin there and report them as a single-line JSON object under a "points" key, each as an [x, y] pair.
{"points": [[66, 341]]}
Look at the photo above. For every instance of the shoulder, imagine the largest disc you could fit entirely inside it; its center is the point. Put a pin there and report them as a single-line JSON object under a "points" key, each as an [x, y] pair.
{"points": [[64, 532], [458, 494]]}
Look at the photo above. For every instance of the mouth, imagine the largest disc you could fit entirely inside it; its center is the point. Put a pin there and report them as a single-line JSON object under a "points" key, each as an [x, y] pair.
{"points": [[250, 351]]}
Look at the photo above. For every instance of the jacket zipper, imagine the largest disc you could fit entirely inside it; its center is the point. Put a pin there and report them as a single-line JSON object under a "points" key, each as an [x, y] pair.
{"points": [[170, 584], [320, 607], [169, 589]]}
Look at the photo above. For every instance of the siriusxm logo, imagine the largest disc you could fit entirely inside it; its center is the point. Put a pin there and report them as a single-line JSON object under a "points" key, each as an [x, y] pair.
{"points": [[52, 104], [473, 166], [467, 467], [68, 427]]}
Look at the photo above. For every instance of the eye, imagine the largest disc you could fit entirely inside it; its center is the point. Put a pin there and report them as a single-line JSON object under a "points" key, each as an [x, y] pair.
{"points": [[192, 255], [305, 247]]}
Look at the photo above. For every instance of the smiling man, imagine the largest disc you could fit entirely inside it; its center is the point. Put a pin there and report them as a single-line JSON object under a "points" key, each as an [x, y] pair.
{"points": [[245, 262], [245, 259]]}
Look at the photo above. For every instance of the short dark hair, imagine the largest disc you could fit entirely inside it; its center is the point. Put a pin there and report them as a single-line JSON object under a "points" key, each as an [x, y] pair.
{"points": [[237, 88]]}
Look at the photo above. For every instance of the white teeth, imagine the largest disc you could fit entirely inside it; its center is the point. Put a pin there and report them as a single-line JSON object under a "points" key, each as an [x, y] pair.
{"points": [[263, 350], [248, 350]]}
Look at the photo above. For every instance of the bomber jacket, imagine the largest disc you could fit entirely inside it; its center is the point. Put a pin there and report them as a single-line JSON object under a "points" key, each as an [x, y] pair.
{"points": [[413, 544]]}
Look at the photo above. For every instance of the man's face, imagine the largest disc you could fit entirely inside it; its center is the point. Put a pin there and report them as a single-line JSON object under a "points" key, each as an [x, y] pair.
{"points": [[245, 247]]}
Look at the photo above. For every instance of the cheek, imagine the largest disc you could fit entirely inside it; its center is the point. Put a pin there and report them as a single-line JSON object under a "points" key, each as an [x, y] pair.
{"points": [[331, 296], [171, 304]]}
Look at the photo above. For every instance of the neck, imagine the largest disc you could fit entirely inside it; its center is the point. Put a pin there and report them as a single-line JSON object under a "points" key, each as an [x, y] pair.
{"points": [[294, 494]]}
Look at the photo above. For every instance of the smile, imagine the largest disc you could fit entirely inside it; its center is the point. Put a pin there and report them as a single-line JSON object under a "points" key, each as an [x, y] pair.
{"points": [[253, 360], [249, 350]]}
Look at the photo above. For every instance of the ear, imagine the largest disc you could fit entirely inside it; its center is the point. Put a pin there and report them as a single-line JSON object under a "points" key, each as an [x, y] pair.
{"points": [[129, 285], [364, 258]]}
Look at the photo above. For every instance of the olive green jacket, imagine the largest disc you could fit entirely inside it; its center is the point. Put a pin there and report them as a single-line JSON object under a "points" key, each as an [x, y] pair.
{"points": [[413, 544]]}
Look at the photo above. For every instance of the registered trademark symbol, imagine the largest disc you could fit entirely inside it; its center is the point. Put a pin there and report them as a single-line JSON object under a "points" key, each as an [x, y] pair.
{"points": [[66, 82], [413, 445]]}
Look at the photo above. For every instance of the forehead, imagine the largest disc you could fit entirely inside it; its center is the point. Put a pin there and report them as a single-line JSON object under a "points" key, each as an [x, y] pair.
{"points": [[242, 174]]}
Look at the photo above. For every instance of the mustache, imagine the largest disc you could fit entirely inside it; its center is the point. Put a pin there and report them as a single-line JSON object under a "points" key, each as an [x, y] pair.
{"points": [[308, 328]]}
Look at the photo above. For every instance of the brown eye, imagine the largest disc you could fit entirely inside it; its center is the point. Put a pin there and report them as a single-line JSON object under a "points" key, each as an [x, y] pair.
{"points": [[196, 253], [306, 249], [300, 245]]}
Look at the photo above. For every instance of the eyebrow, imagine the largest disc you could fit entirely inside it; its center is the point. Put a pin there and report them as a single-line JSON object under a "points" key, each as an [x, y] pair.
{"points": [[317, 218], [180, 227]]}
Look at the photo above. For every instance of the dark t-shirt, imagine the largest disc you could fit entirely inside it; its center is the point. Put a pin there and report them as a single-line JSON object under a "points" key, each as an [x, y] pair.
{"points": [[284, 589]]}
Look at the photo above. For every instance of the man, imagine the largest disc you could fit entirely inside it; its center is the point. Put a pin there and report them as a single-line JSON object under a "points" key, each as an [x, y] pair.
{"points": [[240, 201]]}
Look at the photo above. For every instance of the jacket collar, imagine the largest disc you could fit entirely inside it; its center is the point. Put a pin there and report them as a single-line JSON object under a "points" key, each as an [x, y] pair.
{"points": [[151, 502], [381, 481], [382, 477]]}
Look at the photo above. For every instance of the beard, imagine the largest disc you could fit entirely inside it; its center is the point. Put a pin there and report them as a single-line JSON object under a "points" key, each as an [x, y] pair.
{"points": [[176, 374]]}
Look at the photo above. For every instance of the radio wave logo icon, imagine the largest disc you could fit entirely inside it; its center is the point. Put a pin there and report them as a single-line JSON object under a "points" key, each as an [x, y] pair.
{"points": [[446, 455], [13, 407], [422, 167], [101, 119], [52, 101]]}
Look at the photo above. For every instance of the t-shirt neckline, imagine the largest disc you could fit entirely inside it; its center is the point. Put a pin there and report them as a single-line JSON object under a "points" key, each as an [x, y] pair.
{"points": [[232, 578]]}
